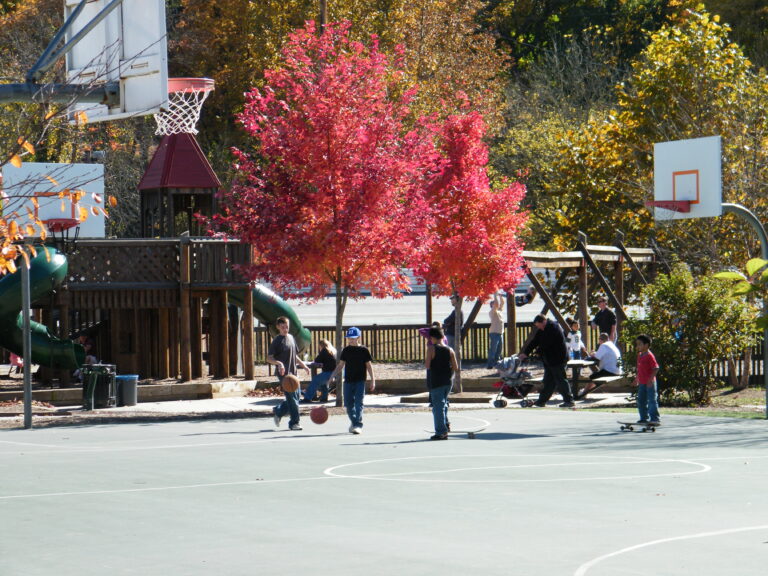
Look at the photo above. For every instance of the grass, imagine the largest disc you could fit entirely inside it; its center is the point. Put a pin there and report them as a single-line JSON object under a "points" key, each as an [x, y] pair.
{"points": [[726, 403]]}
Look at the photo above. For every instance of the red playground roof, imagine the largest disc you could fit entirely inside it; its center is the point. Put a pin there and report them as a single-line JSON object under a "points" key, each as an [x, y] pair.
{"points": [[179, 162]]}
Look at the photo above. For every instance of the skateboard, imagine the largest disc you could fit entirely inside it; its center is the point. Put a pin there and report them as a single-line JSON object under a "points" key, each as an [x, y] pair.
{"points": [[470, 433], [630, 426]]}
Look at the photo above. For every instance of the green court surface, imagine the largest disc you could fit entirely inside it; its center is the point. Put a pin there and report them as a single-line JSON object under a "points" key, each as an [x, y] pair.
{"points": [[537, 493]]}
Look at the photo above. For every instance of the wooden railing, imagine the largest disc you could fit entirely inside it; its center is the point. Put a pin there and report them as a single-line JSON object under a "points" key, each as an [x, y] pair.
{"points": [[402, 343], [155, 263]]}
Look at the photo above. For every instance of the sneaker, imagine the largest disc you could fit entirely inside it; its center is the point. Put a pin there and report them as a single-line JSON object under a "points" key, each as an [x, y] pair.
{"points": [[642, 422], [357, 430], [567, 405], [295, 427], [439, 437], [276, 417], [352, 429]]}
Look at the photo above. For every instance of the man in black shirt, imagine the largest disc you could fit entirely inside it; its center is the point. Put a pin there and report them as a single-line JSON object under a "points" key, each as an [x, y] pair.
{"points": [[550, 341], [605, 319]]}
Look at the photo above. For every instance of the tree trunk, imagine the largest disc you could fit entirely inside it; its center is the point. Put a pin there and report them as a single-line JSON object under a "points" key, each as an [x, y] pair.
{"points": [[457, 342], [341, 304]]}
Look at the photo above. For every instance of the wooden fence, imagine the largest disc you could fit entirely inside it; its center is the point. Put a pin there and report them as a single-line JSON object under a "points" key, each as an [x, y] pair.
{"points": [[402, 343]]}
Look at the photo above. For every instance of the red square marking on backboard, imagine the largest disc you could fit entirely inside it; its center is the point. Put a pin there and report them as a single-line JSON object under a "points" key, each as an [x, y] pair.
{"points": [[674, 184]]}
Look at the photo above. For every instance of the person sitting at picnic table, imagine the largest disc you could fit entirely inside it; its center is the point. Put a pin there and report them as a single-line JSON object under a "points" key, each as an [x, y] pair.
{"points": [[326, 360], [608, 358]]}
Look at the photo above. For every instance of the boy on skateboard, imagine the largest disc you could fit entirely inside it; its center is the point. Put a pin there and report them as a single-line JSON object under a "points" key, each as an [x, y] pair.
{"points": [[647, 393]]}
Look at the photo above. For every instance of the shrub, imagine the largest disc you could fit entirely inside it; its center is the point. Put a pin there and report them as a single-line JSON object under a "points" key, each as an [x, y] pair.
{"points": [[694, 324]]}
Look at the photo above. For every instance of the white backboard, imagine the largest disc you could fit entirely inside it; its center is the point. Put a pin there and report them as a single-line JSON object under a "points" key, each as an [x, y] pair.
{"points": [[129, 47], [54, 185], [688, 170]]}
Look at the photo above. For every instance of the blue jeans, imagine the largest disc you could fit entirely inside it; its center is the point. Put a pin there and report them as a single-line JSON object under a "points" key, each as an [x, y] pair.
{"points": [[439, 398], [320, 381], [494, 348], [290, 406], [354, 392], [648, 402]]}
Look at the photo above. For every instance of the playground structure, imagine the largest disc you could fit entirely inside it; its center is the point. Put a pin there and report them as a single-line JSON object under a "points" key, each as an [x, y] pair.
{"points": [[164, 308]]}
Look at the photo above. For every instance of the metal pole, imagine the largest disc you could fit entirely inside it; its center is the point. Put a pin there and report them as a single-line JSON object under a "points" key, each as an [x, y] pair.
{"points": [[26, 305], [753, 221]]}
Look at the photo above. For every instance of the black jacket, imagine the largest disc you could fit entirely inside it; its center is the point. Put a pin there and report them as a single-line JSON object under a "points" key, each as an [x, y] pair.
{"points": [[551, 344]]}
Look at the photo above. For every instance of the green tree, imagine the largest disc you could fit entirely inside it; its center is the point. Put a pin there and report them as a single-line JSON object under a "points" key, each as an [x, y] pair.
{"points": [[694, 324], [691, 81]]}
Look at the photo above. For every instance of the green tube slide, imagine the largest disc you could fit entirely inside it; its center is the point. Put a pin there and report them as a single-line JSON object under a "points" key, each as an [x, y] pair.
{"points": [[46, 272], [268, 307]]}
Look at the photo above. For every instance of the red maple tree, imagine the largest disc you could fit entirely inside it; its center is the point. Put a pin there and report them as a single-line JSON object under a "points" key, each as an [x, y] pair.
{"points": [[331, 197], [474, 227]]}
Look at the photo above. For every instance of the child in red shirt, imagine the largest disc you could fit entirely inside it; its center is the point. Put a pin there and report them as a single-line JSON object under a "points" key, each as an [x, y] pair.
{"points": [[647, 394]]}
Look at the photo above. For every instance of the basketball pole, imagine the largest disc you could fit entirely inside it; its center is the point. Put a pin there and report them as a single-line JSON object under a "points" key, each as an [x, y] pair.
{"points": [[752, 220], [26, 347]]}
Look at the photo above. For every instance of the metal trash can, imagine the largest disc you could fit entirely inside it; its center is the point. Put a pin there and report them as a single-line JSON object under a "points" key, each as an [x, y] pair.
{"points": [[99, 390], [127, 389]]}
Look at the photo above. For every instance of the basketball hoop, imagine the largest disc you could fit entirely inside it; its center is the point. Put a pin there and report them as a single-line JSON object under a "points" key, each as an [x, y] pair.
{"points": [[59, 229], [185, 99], [672, 205]]}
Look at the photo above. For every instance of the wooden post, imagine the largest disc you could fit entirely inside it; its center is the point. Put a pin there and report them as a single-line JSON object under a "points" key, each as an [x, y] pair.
{"points": [[428, 294], [618, 283], [185, 323], [64, 333], [584, 305], [248, 334], [233, 329], [196, 338], [221, 343], [163, 345], [511, 324]]}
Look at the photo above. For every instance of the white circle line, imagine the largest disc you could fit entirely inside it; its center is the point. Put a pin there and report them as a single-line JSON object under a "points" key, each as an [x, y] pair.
{"points": [[584, 568], [332, 471]]}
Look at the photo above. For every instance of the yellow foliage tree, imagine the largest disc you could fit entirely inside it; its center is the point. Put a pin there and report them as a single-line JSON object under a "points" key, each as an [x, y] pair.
{"points": [[691, 81]]}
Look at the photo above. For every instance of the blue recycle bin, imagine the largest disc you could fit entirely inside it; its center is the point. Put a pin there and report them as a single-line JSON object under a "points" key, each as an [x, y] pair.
{"points": [[127, 389]]}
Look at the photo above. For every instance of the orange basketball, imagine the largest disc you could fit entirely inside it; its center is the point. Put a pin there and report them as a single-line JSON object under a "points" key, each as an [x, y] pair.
{"points": [[290, 383], [318, 415]]}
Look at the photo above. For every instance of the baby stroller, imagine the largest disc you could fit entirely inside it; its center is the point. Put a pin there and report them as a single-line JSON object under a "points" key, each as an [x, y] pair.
{"points": [[513, 383]]}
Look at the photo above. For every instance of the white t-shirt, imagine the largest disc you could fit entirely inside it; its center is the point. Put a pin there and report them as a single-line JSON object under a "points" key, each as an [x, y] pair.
{"points": [[608, 355], [574, 341]]}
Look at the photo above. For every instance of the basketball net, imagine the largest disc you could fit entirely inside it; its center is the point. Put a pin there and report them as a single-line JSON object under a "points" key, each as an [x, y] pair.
{"points": [[185, 100]]}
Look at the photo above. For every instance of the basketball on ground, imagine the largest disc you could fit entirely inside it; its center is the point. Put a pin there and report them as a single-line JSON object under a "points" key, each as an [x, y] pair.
{"points": [[290, 383], [318, 415]]}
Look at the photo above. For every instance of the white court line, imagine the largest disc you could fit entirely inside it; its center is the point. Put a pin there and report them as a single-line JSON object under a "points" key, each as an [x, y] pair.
{"points": [[30, 444], [584, 568], [390, 477], [159, 488]]}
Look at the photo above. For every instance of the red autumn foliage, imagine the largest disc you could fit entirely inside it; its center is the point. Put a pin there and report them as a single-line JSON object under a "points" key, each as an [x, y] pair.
{"points": [[474, 227], [331, 196]]}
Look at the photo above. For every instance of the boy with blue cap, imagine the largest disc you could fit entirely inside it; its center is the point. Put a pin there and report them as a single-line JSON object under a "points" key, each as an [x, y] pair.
{"points": [[356, 362]]}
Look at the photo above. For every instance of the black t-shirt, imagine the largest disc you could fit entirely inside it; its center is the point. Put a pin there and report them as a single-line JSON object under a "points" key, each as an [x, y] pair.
{"points": [[605, 320], [355, 358], [326, 359], [440, 369]]}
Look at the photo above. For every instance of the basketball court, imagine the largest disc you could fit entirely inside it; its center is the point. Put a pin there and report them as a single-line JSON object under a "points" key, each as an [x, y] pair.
{"points": [[542, 492]]}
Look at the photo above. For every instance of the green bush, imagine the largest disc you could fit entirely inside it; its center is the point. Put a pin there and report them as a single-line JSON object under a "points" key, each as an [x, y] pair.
{"points": [[694, 323]]}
